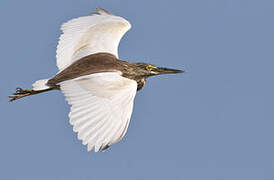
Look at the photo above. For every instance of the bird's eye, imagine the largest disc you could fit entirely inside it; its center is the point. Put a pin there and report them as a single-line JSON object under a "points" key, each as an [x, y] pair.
{"points": [[150, 67]]}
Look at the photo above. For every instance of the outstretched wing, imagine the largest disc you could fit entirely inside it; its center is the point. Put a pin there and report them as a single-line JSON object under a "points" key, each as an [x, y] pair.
{"points": [[87, 35], [101, 107]]}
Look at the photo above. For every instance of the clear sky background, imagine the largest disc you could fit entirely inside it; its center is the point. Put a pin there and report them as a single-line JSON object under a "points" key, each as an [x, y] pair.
{"points": [[214, 122]]}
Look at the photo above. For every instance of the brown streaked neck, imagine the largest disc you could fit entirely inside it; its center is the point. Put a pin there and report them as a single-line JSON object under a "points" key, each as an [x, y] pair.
{"points": [[140, 83]]}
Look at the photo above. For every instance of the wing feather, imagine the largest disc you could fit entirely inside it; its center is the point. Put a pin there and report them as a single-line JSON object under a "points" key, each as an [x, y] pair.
{"points": [[101, 114], [126, 117], [88, 35]]}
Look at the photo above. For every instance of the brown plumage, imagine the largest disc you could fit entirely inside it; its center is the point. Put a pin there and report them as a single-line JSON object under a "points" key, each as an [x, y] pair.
{"points": [[97, 63], [99, 87]]}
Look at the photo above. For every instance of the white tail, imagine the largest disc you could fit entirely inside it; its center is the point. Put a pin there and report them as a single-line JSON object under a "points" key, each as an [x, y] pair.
{"points": [[40, 85]]}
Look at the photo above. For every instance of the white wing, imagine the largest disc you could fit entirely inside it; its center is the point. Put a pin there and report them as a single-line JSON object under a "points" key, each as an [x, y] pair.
{"points": [[87, 35], [101, 107]]}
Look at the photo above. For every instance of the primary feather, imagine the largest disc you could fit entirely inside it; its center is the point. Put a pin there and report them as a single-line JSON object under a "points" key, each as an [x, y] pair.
{"points": [[101, 106], [87, 35], [99, 87]]}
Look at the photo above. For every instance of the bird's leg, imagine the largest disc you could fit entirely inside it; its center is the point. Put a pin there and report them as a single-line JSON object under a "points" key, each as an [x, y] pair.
{"points": [[26, 92], [21, 93]]}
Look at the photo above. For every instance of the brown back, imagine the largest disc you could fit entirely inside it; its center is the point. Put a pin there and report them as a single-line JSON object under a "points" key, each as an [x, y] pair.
{"points": [[94, 63]]}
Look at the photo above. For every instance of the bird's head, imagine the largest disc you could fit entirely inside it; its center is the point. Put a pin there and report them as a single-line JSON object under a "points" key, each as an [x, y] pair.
{"points": [[147, 70]]}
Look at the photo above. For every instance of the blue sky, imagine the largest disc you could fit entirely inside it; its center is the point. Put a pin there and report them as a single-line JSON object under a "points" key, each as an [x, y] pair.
{"points": [[216, 121]]}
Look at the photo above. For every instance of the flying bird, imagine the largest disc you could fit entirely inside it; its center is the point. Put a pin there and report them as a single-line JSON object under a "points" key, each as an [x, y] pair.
{"points": [[98, 85]]}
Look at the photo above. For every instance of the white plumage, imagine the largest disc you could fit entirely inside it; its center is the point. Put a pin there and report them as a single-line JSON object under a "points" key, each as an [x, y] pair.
{"points": [[40, 85], [101, 103], [88, 35], [101, 106], [99, 87]]}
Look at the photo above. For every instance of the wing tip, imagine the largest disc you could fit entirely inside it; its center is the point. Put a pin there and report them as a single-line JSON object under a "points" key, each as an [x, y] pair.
{"points": [[103, 148], [103, 11], [100, 11]]}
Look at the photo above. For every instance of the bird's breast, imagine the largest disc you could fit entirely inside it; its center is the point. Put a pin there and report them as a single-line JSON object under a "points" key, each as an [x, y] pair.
{"points": [[141, 83]]}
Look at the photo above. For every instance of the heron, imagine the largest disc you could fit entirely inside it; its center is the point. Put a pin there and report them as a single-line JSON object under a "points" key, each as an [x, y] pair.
{"points": [[99, 86]]}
